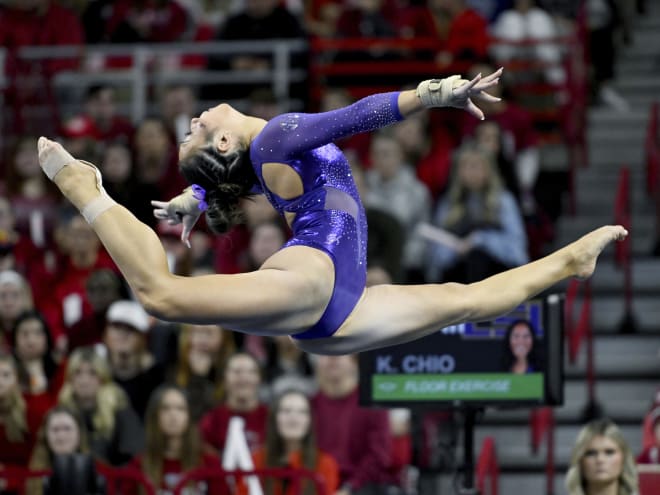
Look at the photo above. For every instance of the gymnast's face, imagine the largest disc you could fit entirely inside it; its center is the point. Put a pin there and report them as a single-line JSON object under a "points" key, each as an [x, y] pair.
{"points": [[221, 125]]}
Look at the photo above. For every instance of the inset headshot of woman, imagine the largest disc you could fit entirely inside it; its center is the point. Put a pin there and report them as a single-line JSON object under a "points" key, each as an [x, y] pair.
{"points": [[520, 352]]}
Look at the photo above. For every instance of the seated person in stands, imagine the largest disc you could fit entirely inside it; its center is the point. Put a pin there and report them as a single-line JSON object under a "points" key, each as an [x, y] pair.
{"points": [[61, 434], [651, 454], [40, 369], [15, 298], [242, 379], [172, 442], [133, 367], [113, 429], [203, 353], [18, 424], [481, 227], [520, 350], [601, 462], [290, 443]]}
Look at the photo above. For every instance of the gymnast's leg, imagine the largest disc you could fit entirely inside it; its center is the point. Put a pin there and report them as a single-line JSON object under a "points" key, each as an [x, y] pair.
{"points": [[273, 300], [393, 314]]}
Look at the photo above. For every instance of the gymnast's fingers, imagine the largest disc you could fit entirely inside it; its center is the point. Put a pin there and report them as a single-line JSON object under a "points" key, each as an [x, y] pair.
{"points": [[467, 87], [483, 96], [474, 110], [494, 75]]}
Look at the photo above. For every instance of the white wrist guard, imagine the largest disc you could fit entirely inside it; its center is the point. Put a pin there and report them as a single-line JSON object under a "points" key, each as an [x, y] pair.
{"points": [[440, 92]]}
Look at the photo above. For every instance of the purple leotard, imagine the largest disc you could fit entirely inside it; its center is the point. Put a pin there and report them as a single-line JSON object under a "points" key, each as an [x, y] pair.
{"points": [[329, 214]]}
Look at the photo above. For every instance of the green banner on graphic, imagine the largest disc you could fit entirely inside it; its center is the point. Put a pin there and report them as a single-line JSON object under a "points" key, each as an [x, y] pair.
{"points": [[472, 386]]}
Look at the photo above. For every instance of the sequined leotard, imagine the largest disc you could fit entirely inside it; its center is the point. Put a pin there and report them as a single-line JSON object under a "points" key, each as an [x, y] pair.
{"points": [[329, 214]]}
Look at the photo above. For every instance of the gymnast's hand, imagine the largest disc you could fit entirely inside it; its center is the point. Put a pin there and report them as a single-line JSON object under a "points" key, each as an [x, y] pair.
{"points": [[459, 93], [184, 208]]}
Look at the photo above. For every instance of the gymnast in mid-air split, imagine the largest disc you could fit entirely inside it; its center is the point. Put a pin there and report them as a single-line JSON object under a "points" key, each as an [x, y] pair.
{"points": [[313, 289]]}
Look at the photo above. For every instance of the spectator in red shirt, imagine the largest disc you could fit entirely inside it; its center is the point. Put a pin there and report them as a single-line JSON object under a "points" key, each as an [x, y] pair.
{"points": [[172, 443], [291, 443], [18, 424], [358, 438], [651, 454], [242, 380], [39, 368], [101, 108]]}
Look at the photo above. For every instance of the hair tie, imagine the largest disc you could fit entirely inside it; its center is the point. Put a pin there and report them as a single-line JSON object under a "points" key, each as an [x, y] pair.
{"points": [[199, 193]]}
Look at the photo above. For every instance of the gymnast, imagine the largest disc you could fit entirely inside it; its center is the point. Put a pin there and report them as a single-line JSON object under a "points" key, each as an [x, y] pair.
{"points": [[313, 289]]}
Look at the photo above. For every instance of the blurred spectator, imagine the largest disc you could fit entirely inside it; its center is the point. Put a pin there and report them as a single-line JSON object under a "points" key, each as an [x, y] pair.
{"points": [[101, 108], [135, 21], [386, 234], [651, 454], [155, 160], [262, 103], [133, 367], [519, 139], [208, 13], [116, 166], [112, 428], [393, 188], [364, 19], [203, 353], [178, 104], [524, 28], [258, 20], [64, 298], [62, 433], [173, 445], [15, 298], [461, 32], [267, 238], [521, 353], [601, 462], [230, 248], [482, 229], [18, 424], [361, 441], [603, 20], [39, 371], [30, 97], [242, 379], [426, 150], [102, 288], [287, 367], [291, 443], [80, 138], [489, 136], [33, 199], [179, 257]]}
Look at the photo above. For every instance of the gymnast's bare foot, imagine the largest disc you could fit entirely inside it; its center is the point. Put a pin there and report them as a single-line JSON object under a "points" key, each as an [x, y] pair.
{"points": [[79, 182], [584, 252]]}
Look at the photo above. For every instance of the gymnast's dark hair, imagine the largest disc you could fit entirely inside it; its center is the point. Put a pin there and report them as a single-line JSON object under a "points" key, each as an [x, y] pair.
{"points": [[226, 178]]}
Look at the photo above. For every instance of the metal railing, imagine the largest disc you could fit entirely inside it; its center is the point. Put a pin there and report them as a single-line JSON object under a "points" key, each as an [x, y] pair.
{"points": [[144, 68]]}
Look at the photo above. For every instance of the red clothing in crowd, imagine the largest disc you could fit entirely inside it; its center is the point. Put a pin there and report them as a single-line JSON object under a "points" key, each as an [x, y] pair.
{"points": [[650, 455], [358, 438], [17, 454], [516, 124], [173, 472], [56, 25], [326, 467], [213, 426]]}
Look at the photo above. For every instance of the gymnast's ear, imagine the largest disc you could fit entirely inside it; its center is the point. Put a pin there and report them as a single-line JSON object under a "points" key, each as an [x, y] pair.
{"points": [[223, 141]]}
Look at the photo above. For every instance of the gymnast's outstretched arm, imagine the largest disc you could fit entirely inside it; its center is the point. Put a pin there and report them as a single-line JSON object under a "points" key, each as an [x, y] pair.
{"points": [[292, 133]]}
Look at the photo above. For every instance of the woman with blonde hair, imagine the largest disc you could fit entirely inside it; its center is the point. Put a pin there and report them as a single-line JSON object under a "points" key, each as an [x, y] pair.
{"points": [[203, 353], [481, 221], [602, 462], [15, 298], [112, 427], [18, 424]]}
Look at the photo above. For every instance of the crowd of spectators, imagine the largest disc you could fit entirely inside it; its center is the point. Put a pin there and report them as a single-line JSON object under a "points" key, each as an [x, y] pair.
{"points": [[448, 198]]}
